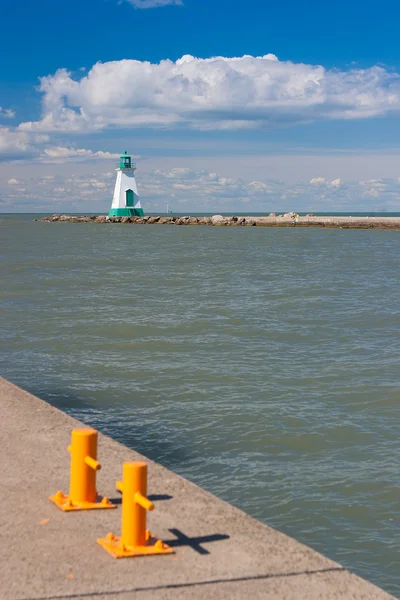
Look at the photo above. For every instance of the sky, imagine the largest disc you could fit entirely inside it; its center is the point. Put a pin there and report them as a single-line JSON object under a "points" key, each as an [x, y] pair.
{"points": [[227, 106]]}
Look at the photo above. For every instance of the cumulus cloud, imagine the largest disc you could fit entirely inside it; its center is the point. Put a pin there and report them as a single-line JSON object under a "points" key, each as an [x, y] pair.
{"points": [[374, 187], [7, 113], [213, 93], [13, 181], [154, 3], [320, 181], [18, 144], [62, 154]]}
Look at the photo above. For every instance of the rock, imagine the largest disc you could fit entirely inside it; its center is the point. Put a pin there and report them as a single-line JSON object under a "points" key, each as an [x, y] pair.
{"points": [[272, 214], [101, 219], [125, 220], [217, 219], [310, 215], [290, 214], [182, 220]]}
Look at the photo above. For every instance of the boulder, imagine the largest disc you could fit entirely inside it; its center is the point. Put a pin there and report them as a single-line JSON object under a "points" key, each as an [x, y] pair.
{"points": [[217, 219]]}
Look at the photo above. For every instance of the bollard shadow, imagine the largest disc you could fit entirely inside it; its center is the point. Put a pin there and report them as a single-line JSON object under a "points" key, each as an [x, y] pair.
{"points": [[196, 543], [151, 497], [158, 497]]}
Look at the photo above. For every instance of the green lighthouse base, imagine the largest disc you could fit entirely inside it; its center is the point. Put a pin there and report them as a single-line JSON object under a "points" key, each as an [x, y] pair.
{"points": [[126, 212]]}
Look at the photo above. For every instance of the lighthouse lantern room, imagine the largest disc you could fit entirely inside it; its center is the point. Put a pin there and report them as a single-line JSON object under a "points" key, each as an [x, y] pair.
{"points": [[125, 202]]}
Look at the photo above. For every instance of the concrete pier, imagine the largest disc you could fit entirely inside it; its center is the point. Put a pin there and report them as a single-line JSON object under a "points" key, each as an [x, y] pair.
{"points": [[221, 552], [287, 220]]}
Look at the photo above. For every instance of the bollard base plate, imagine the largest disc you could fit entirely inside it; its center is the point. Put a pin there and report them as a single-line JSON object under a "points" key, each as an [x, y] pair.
{"points": [[65, 503], [114, 546]]}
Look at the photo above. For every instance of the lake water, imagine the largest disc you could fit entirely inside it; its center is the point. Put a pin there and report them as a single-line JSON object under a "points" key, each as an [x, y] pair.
{"points": [[262, 364]]}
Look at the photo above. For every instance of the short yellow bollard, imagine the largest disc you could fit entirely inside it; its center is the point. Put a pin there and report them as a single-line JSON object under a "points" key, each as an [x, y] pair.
{"points": [[135, 540], [82, 487]]}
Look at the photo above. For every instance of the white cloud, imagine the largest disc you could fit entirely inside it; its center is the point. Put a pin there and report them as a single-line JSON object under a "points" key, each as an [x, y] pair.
{"points": [[213, 93], [62, 154], [15, 144], [7, 113], [319, 181], [12, 142], [374, 188], [154, 3], [13, 181]]}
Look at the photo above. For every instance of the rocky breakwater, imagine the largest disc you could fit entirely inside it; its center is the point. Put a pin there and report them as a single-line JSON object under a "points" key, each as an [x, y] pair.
{"points": [[284, 220]]}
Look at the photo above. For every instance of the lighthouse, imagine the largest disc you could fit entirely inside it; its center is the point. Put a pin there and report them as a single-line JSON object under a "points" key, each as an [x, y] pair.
{"points": [[125, 202]]}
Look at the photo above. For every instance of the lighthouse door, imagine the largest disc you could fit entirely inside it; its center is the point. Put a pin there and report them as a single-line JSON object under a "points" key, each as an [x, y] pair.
{"points": [[129, 197]]}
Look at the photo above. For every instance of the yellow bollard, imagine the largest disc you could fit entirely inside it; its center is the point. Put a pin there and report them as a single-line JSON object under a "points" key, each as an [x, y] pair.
{"points": [[135, 540], [82, 487]]}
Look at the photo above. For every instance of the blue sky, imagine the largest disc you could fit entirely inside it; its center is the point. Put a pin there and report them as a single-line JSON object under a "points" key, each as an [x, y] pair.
{"points": [[227, 105]]}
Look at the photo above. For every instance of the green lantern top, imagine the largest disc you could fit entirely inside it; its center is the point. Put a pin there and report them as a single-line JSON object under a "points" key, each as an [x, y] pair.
{"points": [[125, 161]]}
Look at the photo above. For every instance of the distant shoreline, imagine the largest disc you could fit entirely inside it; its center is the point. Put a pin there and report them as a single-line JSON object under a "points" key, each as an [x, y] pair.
{"points": [[286, 220]]}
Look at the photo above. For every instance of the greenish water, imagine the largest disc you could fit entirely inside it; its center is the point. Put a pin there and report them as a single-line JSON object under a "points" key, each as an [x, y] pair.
{"points": [[263, 364]]}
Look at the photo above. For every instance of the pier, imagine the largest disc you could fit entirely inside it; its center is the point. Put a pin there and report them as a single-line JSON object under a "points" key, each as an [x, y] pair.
{"points": [[220, 552], [286, 220]]}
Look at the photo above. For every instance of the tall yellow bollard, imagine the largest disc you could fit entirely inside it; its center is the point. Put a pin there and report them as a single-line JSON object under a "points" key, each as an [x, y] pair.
{"points": [[135, 540], [82, 487]]}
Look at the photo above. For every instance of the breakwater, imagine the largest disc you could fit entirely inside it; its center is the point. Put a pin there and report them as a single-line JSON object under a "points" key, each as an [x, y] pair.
{"points": [[285, 220]]}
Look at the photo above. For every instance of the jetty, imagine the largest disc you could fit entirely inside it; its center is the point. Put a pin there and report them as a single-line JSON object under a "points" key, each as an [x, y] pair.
{"points": [[219, 551], [285, 220]]}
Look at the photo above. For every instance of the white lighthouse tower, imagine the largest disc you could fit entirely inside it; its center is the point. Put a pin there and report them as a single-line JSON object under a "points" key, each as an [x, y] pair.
{"points": [[125, 202]]}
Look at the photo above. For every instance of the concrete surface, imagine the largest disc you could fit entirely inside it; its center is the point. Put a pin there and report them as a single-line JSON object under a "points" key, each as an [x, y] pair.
{"points": [[220, 551]]}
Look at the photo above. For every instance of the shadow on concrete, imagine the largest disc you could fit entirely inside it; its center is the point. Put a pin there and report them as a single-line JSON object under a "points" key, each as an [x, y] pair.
{"points": [[158, 497], [194, 542], [151, 497]]}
